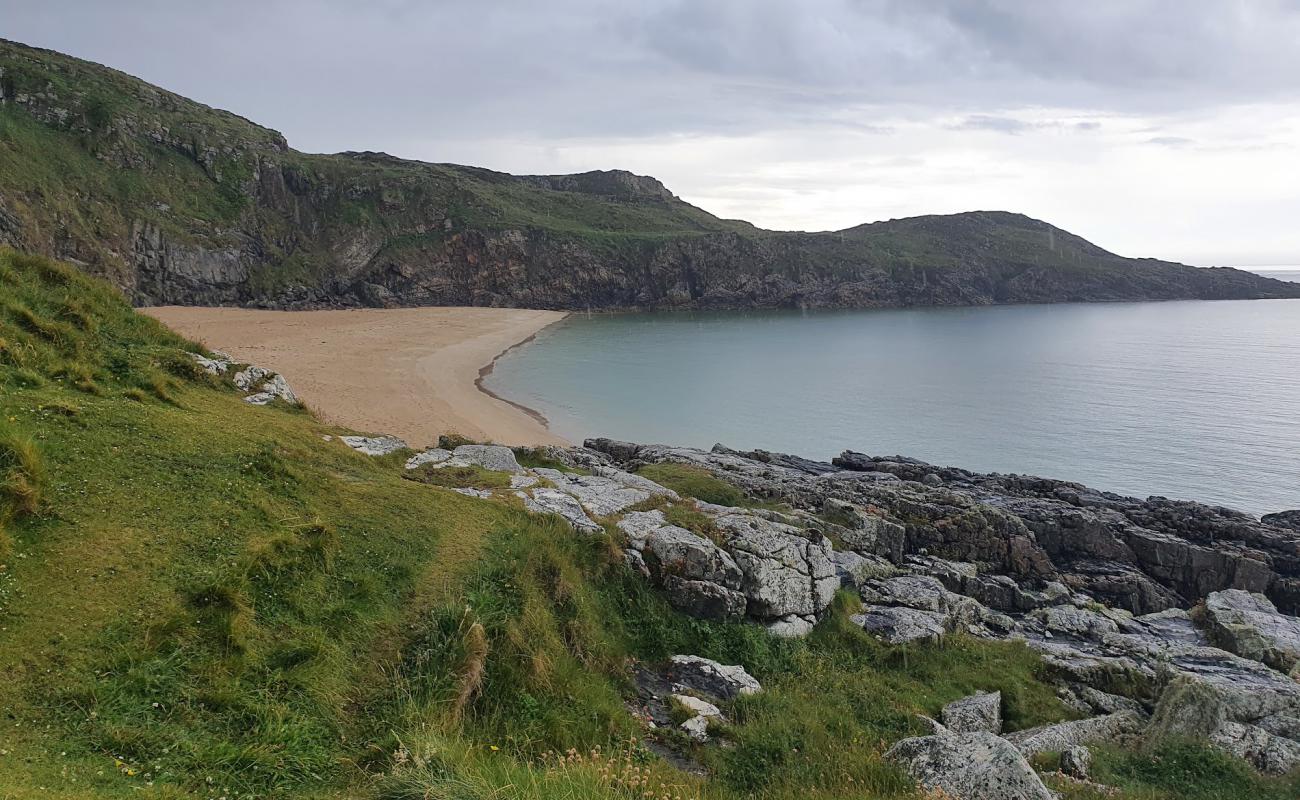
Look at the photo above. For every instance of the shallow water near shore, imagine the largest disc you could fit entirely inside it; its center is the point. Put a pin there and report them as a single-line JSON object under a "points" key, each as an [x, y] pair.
{"points": [[1195, 400]]}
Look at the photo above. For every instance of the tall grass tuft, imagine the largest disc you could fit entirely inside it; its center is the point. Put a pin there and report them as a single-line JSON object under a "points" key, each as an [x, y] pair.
{"points": [[22, 476], [470, 681]]}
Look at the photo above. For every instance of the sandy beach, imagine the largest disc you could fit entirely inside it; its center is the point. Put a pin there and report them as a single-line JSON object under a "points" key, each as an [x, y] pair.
{"points": [[408, 372]]}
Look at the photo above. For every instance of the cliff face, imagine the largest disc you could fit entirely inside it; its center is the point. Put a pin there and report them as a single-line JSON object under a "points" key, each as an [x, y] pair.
{"points": [[176, 202]]}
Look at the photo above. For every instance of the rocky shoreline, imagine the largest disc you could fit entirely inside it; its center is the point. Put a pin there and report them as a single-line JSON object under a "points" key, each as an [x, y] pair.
{"points": [[1154, 618]]}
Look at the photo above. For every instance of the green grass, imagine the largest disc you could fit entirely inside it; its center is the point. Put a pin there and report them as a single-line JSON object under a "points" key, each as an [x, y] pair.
{"points": [[1183, 771], [203, 598], [697, 482], [467, 477]]}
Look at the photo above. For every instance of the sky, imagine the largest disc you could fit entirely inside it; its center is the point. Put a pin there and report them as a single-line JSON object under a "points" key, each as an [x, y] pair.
{"points": [[1162, 128]]}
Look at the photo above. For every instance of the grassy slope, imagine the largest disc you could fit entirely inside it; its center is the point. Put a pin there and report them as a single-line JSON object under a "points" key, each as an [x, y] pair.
{"points": [[201, 598]]}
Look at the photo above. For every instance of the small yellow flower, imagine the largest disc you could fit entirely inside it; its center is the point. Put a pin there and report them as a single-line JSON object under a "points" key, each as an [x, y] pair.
{"points": [[493, 748]]}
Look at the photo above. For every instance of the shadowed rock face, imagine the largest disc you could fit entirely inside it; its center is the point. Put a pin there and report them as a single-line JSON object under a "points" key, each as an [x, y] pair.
{"points": [[224, 212]]}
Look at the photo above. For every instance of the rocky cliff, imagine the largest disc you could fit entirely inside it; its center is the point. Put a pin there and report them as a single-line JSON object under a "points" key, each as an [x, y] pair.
{"points": [[176, 202]]}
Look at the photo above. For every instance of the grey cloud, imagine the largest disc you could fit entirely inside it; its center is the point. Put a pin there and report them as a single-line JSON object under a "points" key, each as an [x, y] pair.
{"points": [[571, 68], [985, 122]]}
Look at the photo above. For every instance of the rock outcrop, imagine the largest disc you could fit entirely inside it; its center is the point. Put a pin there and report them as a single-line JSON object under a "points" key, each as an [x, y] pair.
{"points": [[970, 766], [1139, 608], [1250, 626], [259, 385], [1136, 606]]}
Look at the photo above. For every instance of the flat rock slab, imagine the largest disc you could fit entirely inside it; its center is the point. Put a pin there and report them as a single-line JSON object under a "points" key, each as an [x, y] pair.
{"points": [[374, 445], [436, 455], [606, 494], [553, 501], [493, 457]]}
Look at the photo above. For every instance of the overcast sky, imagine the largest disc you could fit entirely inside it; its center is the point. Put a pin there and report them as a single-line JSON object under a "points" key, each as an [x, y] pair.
{"points": [[1167, 128]]}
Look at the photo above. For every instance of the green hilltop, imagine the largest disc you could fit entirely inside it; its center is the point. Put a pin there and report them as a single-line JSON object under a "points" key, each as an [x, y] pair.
{"points": [[176, 202]]}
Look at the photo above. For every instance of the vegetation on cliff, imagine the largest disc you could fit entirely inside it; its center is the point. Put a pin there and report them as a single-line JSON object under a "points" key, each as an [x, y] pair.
{"points": [[175, 202]]}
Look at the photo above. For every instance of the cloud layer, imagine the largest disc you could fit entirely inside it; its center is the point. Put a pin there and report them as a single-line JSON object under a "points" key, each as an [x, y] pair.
{"points": [[1155, 127]]}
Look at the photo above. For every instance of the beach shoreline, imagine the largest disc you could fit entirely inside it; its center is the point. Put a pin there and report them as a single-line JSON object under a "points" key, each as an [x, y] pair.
{"points": [[416, 373]]}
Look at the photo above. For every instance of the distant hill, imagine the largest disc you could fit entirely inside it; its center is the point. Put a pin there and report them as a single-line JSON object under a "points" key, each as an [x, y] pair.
{"points": [[176, 202]]}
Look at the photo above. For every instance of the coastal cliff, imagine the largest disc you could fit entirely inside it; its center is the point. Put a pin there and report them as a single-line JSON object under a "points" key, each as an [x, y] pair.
{"points": [[178, 203]]}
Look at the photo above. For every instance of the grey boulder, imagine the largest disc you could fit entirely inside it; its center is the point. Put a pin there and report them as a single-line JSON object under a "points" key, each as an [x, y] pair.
{"points": [[708, 677], [552, 501], [1076, 761], [374, 445], [901, 625], [786, 571], [979, 712], [495, 457], [970, 766]]}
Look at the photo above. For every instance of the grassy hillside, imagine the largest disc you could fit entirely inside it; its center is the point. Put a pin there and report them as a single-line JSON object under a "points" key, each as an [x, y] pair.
{"points": [[203, 598], [176, 202]]}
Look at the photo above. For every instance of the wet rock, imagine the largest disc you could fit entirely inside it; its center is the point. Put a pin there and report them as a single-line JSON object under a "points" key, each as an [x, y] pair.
{"points": [[374, 445], [970, 766], [1063, 735], [712, 679], [979, 712], [1249, 625]]}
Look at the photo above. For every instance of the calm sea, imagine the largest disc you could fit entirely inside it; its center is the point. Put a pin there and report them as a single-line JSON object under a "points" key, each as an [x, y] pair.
{"points": [[1196, 400]]}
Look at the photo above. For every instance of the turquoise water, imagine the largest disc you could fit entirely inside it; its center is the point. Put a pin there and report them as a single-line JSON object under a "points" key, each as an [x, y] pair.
{"points": [[1197, 400]]}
